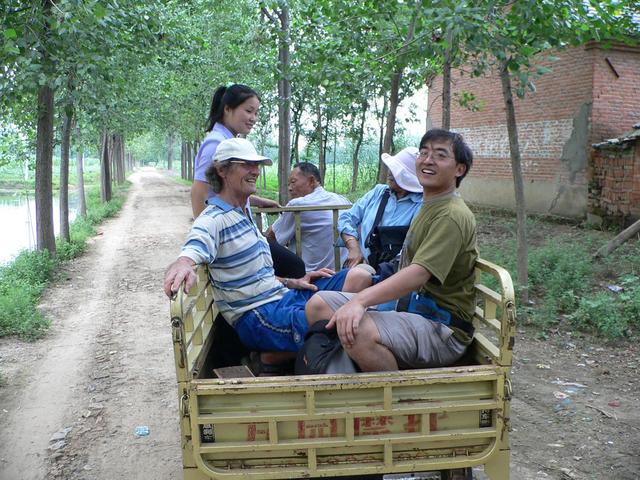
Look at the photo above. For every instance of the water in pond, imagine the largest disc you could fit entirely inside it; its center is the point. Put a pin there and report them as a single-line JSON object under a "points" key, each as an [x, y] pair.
{"points": [[17, 217]]}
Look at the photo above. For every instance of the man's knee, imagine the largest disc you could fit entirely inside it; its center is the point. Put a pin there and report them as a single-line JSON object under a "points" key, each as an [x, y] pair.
{"points": [[367, 337], [357, 280], [317, 309]]}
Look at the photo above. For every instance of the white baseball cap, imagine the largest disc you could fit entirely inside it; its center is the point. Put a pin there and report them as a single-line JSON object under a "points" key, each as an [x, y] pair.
{"points": [[403, 168], [239, 149]]}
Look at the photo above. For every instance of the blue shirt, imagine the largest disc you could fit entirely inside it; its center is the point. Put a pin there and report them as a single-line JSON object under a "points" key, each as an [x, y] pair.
{"points": [[358, 221], [208, 149], [240, 263]]}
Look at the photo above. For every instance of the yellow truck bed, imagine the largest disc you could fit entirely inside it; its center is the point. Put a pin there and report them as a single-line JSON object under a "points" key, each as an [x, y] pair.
{"points": [[352, 424]]}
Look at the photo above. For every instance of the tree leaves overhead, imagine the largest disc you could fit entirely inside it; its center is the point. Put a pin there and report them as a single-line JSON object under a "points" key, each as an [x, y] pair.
{"points": [[139, 66]]}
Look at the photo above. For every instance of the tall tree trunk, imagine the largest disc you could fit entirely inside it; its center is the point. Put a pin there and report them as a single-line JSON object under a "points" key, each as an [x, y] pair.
{"points": [[394, 94], [45, 236], [297, 114], [383, 115], [356, 150], [192, 158], [284, 104], [170, 141], [123, 168], [183, 162], [322, 164], [64, 172], [446, 95], [335, 148], [112, 162], [324, 147], [105, 169], [518, 183], [446, 82], [394, 100], [82, 202], [118, 158]]}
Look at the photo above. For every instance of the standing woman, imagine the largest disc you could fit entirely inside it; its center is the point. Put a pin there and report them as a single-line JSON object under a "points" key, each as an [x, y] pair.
{"points": [[234, 111]]}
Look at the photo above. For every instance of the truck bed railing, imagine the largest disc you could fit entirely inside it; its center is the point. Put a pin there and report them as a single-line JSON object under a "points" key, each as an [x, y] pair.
{"points": [[266, 428], [297, 211]]}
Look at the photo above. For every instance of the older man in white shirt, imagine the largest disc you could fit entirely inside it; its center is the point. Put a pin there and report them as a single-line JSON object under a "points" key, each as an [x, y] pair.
{"points": [[316, 227]]}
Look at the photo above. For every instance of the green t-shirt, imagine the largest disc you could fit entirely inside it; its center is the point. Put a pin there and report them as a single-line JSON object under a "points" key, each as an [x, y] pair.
{"points": [[442, 239]]}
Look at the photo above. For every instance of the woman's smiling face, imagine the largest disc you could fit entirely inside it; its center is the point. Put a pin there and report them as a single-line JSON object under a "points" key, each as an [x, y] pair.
{"points": [[241, 119]]}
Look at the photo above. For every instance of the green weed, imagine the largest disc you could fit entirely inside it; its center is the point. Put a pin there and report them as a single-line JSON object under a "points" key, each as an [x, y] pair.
{"points": [[21, 284], [559, 273], [23, 281], [610, 313], [565, 281]]}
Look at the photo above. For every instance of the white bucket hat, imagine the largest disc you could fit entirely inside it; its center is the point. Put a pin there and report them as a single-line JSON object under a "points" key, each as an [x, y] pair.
{"points": [[403, 168], [239, 149]]}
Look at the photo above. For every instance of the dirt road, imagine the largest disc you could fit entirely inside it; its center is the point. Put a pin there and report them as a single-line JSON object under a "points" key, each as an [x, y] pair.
{"points": [[71, 402], [106, 367]]}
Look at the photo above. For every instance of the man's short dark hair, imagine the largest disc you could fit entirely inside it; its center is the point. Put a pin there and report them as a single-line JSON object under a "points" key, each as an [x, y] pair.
{"points": [[309, 170], [461, 150]]}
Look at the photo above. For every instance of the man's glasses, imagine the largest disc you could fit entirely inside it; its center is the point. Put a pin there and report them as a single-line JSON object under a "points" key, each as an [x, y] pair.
{"points": [[245, 163], [436, 155]]}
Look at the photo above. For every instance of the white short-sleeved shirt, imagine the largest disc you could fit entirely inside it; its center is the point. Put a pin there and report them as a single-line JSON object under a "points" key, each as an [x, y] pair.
{"points": [[316, 229]]}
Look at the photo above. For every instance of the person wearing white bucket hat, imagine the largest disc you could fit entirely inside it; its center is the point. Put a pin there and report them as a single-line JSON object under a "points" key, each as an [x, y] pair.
{"points": [[403, 169], [400, 199]]}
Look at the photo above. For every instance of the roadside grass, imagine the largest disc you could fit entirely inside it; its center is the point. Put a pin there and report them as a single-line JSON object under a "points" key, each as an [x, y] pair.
{"points": [[567, 286], [23, 280]]}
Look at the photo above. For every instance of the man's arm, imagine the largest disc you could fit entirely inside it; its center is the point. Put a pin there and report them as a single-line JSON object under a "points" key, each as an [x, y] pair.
{"points": [[256, 201], [354, 255], [306, 282], [350, 222], [347, 318], [178, 272], [284, 228]]}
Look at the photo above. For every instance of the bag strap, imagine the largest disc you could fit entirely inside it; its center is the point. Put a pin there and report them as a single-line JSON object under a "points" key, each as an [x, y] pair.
{"points": [[379, 213]]}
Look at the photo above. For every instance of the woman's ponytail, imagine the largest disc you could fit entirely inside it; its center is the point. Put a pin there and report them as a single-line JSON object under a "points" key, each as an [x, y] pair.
{"points": [[217, 109]]}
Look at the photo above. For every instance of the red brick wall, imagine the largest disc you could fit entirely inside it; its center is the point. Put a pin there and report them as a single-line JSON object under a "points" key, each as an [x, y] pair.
{"points": [[606, 80], [616, 92], [614, 188], [545, 117]]}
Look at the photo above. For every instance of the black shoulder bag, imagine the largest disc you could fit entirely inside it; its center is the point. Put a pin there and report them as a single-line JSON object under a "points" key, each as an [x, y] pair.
{"points": [[384, 242]]}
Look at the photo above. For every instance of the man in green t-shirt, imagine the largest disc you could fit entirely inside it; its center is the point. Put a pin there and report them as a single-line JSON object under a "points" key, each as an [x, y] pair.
{"points": [[434, 284]]}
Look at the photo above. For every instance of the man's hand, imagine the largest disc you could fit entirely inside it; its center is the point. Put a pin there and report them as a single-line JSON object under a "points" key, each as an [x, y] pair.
{"points": [[346, 321], [354, 255], [304, 283], [269, 235], [178, 272]]}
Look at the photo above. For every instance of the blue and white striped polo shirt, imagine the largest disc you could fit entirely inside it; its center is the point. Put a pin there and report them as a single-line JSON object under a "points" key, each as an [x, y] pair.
{"points": [[240, 263]]}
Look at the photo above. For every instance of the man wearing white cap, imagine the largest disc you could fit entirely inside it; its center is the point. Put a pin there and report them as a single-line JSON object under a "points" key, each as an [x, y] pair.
{"points": [[403, 197], [265, 313]]}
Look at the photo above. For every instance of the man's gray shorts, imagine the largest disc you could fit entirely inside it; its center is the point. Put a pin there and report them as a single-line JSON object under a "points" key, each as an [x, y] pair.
{"points": [[415, 341]]}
